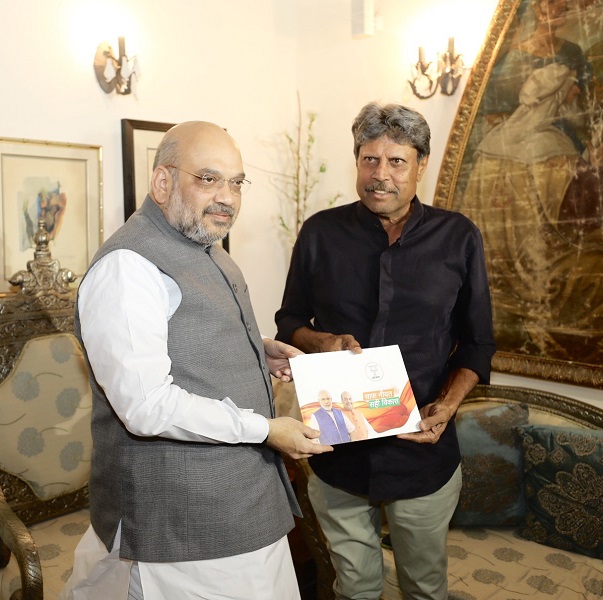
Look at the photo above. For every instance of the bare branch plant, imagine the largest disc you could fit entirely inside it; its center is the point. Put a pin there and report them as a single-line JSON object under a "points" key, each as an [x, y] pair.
{"points": [[298, 182]]}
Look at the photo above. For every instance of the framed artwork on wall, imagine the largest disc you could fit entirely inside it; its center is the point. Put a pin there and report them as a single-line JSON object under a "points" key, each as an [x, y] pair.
{"points": [[139, 141], [59, 183], [524, 162]]}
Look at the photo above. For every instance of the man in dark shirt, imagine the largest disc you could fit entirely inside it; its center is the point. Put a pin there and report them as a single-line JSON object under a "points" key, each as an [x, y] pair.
{"points": [[390, 270]]}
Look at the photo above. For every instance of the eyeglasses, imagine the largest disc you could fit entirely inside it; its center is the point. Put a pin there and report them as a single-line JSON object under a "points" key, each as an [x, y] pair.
{"points": [[212, 180]]}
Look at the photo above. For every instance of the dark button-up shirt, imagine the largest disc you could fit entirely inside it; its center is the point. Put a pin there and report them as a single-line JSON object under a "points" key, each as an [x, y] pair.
{"points": [[427, 292]]}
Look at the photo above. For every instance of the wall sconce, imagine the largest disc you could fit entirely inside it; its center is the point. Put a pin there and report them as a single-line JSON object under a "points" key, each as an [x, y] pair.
{"points": [[446, 73], [115, 73]]}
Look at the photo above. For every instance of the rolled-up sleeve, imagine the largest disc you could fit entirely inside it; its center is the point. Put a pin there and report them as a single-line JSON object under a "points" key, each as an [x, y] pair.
{"points": [[473, 316]]}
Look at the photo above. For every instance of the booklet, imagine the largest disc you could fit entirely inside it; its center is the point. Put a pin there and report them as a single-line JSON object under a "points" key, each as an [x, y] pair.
{"points": [[352, 397]]}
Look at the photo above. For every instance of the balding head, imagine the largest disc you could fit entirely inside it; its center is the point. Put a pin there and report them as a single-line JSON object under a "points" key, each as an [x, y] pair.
{"points": [[187, 153], [177, 141]]}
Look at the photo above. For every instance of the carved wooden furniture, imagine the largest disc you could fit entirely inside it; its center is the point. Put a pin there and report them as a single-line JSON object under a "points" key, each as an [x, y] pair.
{"points": [[45, 442]]}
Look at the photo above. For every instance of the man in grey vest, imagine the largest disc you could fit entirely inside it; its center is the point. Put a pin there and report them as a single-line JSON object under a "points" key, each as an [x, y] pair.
{"points": [[186, 482]]}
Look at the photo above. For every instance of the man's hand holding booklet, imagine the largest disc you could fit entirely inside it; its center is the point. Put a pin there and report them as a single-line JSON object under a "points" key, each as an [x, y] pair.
{"points": [[352, 397]]}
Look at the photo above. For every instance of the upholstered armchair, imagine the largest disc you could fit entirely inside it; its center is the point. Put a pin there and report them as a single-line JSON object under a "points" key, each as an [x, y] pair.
{"points": [[45, 442]]}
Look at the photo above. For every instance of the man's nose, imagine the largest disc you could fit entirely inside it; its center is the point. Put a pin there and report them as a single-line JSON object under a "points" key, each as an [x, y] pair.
{"points": [[381, 172], [225, 195]]}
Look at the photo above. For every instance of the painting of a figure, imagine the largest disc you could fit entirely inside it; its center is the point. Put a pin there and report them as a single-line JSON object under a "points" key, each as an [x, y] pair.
{"points": [[48, 204], [531, 177], [58, 183]]}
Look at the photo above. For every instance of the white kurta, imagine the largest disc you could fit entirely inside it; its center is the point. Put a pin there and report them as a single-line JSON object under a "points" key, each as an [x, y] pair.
{"points": [[125, 304]]}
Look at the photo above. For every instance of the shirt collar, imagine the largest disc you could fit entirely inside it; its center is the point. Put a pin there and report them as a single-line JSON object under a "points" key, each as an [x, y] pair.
{"points": [[370, 220], [415, 217]]}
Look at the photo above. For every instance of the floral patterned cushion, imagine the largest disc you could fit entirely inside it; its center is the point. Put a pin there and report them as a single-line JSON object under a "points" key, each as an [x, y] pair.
{"points": [[492, 492], [45, 417], [564, 488], [56, 540]]}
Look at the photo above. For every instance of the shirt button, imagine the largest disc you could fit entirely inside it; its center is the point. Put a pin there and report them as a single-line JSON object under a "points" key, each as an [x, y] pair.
{"points": [[234, 287], [248, 326]]}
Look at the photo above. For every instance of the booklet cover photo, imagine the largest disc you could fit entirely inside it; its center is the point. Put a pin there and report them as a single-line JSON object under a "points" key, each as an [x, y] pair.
{"points": [[352, 397]]}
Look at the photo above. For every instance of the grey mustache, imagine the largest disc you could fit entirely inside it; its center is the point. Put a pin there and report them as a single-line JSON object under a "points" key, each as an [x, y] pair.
{"points": [[219, 208], [380, 187]]}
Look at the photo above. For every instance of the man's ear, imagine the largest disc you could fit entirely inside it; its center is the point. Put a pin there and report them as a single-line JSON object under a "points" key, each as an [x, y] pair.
{"points": [[422, 167], [161, 184]]}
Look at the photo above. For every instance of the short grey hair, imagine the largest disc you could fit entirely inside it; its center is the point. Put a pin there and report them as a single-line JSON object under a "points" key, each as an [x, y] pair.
{"points": [[168, 152], [400, 124]]}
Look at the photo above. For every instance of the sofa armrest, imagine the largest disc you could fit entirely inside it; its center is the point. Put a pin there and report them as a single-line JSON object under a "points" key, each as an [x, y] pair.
{"points": [[15, 537]]}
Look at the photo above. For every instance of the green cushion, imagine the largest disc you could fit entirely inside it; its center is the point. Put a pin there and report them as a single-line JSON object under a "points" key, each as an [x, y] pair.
{"points": [[564, 488], [492, 493]]}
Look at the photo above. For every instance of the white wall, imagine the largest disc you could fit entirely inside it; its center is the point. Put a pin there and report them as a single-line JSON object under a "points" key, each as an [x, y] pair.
{"points": [[240, 64], [232, 62]]}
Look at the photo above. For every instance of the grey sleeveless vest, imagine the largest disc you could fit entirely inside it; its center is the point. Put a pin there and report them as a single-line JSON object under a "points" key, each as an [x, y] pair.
{"points": [[181, 501]]}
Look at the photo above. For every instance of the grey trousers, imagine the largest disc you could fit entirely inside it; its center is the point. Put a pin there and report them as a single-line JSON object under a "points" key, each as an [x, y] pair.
{"points": [[418, 529]]}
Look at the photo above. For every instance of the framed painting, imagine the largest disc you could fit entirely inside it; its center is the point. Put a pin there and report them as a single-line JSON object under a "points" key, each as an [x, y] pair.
{"points": [[524, 161], [59, 183], [139, 141]]}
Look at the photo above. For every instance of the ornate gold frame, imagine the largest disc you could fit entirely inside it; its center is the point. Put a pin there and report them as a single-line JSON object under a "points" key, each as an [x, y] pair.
{"points": [[474, 90], [590, 375]]}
